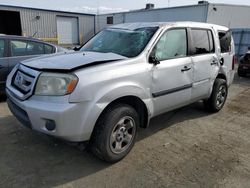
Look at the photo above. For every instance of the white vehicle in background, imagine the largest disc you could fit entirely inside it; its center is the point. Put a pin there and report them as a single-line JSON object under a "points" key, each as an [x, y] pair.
{"points": [[120, 79]]}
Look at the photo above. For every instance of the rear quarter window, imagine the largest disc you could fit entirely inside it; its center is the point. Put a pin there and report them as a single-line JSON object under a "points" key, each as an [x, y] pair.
{"points": [[225, 41], [48, 49], [1, 48]]}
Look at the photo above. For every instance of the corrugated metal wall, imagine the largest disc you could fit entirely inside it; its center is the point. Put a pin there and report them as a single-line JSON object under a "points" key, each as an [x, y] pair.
{"points": [[45, 27], [241, 40], [232, 16], [186, 13]]}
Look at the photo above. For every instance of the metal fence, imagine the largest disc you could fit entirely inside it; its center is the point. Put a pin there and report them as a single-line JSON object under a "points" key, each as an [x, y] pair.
{"points": [[241, 40]]}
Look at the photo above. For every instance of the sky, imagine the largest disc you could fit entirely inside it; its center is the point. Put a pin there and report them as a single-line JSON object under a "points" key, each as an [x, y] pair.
{"points": [[107, 6]]}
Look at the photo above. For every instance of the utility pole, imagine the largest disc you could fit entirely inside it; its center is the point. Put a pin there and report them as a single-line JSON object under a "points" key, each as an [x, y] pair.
{"points": [[168, 3], [97, 17]]}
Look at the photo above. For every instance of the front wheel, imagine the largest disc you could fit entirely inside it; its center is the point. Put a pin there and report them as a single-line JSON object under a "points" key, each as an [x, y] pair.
{"points": [[115, 132], [218, 97]]}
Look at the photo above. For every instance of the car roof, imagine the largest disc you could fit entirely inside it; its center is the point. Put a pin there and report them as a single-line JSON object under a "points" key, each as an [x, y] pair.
{"points": [[137, 25], [17, 37], [3, 36]]}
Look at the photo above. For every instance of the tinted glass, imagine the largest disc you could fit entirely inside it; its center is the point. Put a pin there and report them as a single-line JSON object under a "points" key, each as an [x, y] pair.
{"points": [[211, 41], [128, 43], [48, 49], [25, 48], [225, 41], [201, 41], [18, 48], [172, 44], [247, 58], [1, 48], [34, 48]]}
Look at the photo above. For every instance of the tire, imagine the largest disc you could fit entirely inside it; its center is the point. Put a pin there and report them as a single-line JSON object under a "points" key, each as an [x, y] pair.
{"points": [[240, 74], [218, 97], [115, 133]]}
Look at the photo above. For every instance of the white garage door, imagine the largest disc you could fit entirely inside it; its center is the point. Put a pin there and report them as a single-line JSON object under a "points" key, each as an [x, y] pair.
{"points": [[67, 30]]}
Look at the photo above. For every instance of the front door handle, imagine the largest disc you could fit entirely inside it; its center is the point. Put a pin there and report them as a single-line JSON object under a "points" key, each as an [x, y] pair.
{"points": [[186, 68], [1, 66]]}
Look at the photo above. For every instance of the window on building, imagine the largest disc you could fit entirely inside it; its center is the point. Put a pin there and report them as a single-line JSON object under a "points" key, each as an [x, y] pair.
{"points": [[172, 44], [225, 41], [2, 48], [110, 20]]}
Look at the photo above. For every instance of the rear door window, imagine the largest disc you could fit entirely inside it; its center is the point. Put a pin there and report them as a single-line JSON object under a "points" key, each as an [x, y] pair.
{"points": [[27, 48], [2, 48], [225, 41], [18, 48], [202, 41]]}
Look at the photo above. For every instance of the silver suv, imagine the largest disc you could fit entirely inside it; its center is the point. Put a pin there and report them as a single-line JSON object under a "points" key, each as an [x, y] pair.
{"points": [[120, 79]]}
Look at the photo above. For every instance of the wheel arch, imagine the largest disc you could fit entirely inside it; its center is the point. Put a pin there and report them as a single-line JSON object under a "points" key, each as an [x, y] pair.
{"points": [[134, 102], [222, 76]]}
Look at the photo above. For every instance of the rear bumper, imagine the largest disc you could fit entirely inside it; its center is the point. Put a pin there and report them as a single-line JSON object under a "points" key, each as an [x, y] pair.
{"points": [[244, 71]]}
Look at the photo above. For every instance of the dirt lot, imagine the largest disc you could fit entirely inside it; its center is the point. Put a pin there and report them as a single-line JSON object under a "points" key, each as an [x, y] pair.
{"points": [[184, 148]]}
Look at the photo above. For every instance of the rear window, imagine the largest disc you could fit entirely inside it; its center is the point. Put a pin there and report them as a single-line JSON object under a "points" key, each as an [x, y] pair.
{"points": [[225, 41], [247, 58], [1, 48], [48, 49], [26, 48], [203, 41]]}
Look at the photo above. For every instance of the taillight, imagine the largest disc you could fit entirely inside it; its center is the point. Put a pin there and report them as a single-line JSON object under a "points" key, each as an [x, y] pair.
{"points": [[234, 62]]}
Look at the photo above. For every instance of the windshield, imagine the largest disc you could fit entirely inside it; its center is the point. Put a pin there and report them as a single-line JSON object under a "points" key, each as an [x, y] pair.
{"points": [[123, 42]]}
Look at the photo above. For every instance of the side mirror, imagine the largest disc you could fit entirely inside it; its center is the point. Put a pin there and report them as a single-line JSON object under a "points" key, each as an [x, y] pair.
{"points": [[76, 48], [153, 60]]}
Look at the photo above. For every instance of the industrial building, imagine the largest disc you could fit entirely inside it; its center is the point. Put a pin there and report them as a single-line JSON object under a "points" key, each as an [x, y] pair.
{"points": [[53, 26], [235, 17], [76, 28]]}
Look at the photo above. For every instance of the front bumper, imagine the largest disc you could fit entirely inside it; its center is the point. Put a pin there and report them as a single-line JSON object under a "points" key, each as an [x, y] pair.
{"points": [[35, 113]]}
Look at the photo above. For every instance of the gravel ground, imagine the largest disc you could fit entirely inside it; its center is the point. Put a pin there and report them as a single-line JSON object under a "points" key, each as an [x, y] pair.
{"points": [[184, 148]]}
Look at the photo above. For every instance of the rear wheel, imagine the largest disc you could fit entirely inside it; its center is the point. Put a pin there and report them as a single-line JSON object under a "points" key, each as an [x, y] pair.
{"points": [[115, 133], [218, 97]]}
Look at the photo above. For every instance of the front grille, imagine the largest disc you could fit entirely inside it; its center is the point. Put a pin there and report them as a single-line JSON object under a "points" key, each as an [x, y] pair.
{"points": [[22, 82]]}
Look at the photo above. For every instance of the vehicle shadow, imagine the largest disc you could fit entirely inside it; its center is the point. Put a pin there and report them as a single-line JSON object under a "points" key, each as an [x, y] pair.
{"points": [[244, 81], [193, 111], [27, 156], [2, 97]]}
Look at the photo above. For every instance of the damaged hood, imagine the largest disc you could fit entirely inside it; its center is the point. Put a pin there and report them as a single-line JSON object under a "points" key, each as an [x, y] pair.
{"points": [[71, 61]]}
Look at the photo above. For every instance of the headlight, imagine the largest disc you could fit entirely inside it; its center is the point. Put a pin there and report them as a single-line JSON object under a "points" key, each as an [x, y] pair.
{"points": [[55, 84]]}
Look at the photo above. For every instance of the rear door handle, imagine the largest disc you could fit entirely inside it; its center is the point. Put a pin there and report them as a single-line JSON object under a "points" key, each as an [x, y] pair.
{"points": [[214, 62], [1, 66], [186, 68]]}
